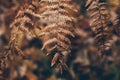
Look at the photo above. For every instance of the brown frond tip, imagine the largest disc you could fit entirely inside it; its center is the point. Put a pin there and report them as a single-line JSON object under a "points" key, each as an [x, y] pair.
{"points": [[99, 19], [3, 57]]}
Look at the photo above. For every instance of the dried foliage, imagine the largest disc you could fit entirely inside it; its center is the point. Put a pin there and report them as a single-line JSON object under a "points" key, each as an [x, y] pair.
{"points": [[58, 23], [24, 23], [59, 36], [99, 17], [53, 22]]}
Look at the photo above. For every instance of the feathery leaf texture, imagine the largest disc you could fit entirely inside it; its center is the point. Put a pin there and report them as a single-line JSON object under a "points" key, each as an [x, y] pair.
{"points": [[24, 23], [52, 21], [58, 18], [99, 19]]}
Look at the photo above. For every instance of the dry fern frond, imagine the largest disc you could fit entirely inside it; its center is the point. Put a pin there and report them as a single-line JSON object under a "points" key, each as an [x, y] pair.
{"points": [[117, 22], [99, 18], [58, 18], [8, 10], [23, 24]]}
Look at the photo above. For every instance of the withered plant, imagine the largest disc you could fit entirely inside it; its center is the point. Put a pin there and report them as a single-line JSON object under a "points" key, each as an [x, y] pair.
{"points": [[55, 23], [99, 19], [52, 21]]}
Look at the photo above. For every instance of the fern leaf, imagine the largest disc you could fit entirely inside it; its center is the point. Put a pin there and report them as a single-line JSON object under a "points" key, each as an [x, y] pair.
{"points": [[99, 18], [59, 16], [24, 23]]}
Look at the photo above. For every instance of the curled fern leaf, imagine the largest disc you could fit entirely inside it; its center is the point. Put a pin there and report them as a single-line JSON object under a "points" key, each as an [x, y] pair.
{"points": [[23, 24]]}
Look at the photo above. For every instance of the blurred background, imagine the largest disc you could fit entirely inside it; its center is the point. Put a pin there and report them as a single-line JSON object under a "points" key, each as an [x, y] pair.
{"points": [[83, 62]]}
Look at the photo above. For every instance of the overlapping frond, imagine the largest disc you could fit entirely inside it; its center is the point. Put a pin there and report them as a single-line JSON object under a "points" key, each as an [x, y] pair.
{"points": [[52, 21]]}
